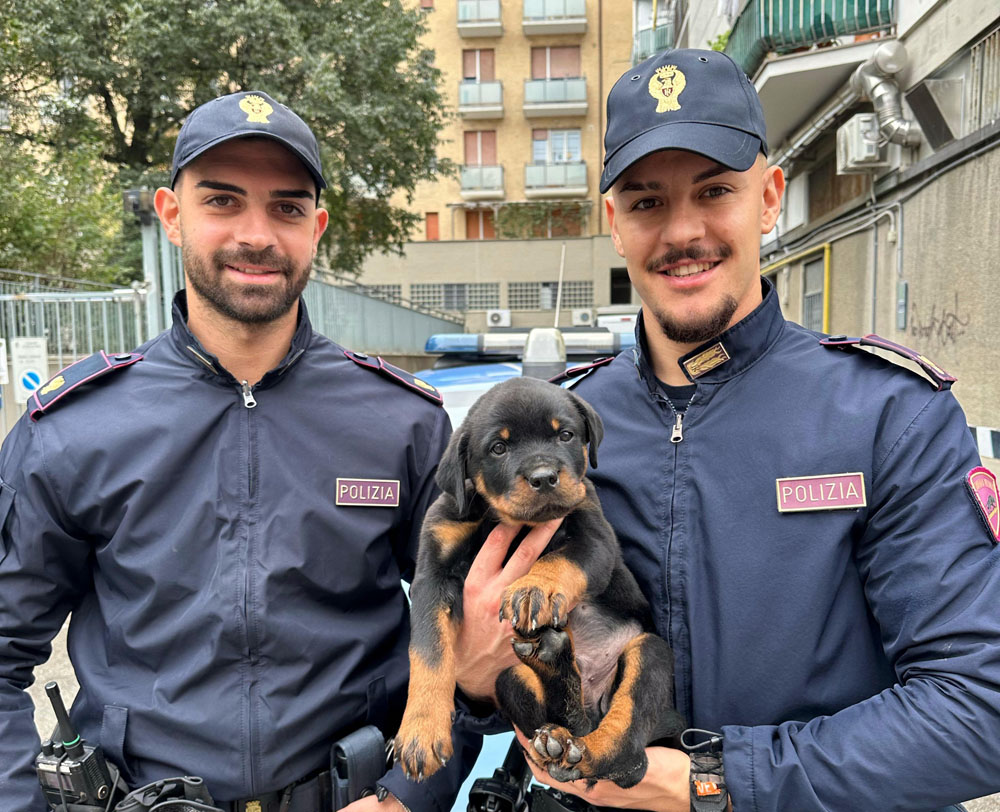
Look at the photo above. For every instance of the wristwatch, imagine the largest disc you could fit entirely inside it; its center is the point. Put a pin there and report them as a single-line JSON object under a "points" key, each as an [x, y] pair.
{"points": [[708, 783]]}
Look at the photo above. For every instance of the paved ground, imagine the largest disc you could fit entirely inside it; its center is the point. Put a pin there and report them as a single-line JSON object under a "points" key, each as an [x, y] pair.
{"points": [[59, 668]]}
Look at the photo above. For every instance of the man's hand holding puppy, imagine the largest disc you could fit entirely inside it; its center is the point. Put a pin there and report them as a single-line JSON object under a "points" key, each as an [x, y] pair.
{"points": [[483, 645]]}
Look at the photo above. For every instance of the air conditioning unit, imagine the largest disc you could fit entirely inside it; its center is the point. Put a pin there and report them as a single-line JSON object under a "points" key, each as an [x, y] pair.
{"points": [[498, 318], [583, 317], [858, 147]]}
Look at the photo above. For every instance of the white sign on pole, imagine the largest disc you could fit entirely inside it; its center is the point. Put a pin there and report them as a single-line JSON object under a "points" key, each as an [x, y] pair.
{"points": [[29, 360], [4, 378]]}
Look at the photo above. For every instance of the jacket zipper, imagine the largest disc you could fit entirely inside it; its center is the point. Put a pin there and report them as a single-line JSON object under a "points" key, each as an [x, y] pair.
{"points": [[247, 392], [249, 402]]}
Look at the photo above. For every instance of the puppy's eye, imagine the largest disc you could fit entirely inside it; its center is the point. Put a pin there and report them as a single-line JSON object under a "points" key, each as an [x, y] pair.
{"points": [[498, 448], [565, 435]]}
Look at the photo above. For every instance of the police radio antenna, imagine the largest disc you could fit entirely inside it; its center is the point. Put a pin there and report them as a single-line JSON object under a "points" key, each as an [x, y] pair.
{"points": [[70, 738], [562, 267]]}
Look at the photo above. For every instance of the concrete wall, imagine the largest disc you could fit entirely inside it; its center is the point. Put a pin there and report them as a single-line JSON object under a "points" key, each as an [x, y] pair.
{"points": [[503, 261]]}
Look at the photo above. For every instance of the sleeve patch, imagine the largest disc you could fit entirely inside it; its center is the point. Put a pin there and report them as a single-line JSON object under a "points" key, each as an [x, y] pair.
{"points": [[394, 373], [982, 485], [74, 376], [940, 378]]}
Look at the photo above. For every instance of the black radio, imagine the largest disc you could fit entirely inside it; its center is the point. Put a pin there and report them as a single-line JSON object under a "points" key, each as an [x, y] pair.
{"points": [[69, 770]]}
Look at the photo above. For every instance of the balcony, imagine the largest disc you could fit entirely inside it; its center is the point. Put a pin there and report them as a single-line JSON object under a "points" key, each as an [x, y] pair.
{"points": [[480, 99], [651, 41], [784, 26], [555, 97], [555, 180], [542, 17], [479, 18], [482, 183]]}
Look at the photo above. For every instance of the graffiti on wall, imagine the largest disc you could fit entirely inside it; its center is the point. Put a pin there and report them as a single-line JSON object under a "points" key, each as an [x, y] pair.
{"points": [[942, 324]]}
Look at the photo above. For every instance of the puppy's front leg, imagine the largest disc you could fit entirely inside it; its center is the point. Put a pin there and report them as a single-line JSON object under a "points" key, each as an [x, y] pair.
{"points": [[580, 563], [423, 744]]}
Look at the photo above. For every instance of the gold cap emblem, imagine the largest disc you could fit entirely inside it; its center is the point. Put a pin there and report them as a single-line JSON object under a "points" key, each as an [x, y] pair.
{"points": [[665, 86], [52, 385], [256, 108]]}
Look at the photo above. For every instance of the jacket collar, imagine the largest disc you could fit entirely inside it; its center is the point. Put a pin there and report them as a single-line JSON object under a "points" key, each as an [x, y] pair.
{"points": [[191, 348], [729, 354]]}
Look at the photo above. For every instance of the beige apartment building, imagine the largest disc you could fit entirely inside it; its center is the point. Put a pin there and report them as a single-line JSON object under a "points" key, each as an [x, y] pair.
{"points": [[526, 80]]}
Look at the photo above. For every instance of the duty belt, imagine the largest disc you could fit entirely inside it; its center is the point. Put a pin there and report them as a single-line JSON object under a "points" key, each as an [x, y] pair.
{"points": [[306, 796]]}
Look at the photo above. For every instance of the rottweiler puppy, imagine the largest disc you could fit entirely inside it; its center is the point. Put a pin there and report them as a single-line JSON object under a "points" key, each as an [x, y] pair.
{"points": [[595, 683]]}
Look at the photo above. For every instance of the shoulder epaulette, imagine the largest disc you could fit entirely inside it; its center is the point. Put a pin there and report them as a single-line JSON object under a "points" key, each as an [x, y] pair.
{"points": [[74, 376], [940, 378], [394, 373], [572, 376]]}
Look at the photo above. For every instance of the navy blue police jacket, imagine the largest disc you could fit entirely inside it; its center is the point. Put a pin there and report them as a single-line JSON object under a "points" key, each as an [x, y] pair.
{"points": [[850, 657], [229, 618]]}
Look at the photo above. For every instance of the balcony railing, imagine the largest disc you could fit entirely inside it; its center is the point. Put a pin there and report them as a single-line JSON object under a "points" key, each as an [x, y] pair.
{"points": [[554, 17], [553, 97], [482, 182], [651, 41], [546, 91], [554, 9], [782, 26], [555, 180], [479, 18], [480, 99]]}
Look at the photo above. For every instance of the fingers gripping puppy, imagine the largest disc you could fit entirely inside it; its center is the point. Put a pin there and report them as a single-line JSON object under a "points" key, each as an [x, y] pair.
{"points": [[594, 683]]}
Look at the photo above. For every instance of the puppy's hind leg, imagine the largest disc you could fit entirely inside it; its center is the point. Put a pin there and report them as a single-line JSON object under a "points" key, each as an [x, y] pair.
{"points": [[640, 712]]}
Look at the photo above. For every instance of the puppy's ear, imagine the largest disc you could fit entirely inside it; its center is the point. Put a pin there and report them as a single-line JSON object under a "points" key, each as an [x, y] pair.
{"points": [[451, 470], [595, 426]]}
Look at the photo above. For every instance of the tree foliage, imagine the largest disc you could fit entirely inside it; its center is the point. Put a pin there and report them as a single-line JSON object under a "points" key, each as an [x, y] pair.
{"points": [[58, 217], [122, 75]]}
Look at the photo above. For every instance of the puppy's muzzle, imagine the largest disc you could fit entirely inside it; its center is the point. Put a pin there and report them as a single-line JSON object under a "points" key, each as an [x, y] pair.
{"points": [[543, 479]]}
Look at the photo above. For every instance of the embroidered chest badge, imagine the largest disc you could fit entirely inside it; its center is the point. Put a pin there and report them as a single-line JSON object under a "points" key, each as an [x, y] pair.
{"points": [[982, 484], [368, 492], [825, 492]]}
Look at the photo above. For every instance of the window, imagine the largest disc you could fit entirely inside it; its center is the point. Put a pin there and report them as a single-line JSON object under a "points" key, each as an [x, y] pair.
{"points": [[621, 287], [433, 232], [812, 295], [542, 295], [555, 146], [477, 65], [481, 148], [479, 224], [456, 295], [427, 4], [553, 62], [391, 293]]}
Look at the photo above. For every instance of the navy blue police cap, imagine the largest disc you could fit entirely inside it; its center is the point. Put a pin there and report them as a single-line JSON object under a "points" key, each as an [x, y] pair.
{"points": [[241, 115], [690, 99]]}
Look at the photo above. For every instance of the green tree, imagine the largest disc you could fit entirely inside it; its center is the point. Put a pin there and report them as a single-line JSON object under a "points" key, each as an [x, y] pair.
{"points": [[60, 216], [123, 74]]}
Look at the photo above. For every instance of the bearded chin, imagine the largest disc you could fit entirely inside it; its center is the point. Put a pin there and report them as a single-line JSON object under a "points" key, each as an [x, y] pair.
{"points": [[697, 332], [249, 304]]}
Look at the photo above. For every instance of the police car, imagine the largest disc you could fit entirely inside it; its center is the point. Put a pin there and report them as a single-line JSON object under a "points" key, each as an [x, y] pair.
{"points": [[470, 363]]}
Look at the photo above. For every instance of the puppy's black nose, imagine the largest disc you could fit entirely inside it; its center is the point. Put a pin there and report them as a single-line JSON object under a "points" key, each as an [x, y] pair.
{"points": [[543, 479]]}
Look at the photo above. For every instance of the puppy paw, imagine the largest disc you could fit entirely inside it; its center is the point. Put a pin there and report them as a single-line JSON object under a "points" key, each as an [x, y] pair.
{"points": [[560, 752], [545, 647], [423, 744], [531, 603]]}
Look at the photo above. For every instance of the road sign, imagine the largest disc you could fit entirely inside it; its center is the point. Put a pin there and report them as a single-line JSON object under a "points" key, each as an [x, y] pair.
{"points": [[30, 365], [4, 378]]}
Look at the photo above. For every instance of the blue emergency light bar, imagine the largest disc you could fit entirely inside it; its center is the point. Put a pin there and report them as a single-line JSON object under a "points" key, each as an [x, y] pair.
{"points": [[485, 345]]}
